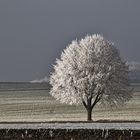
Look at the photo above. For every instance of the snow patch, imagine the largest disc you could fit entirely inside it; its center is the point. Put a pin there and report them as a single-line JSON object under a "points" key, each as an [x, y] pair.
{"points": [[102, 126]]}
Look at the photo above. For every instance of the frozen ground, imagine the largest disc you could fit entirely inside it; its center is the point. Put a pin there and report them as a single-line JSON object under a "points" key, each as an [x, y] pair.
{"points": [[39, 106], [106, 126]]}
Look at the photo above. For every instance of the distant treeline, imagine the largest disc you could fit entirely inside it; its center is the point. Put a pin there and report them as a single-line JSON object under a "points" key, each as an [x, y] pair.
{"points": [[23, 85], [134, 77]]}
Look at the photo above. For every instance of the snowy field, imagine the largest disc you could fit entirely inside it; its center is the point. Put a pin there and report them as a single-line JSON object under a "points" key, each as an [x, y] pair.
{"points": [[106, 126], [38, 106]]}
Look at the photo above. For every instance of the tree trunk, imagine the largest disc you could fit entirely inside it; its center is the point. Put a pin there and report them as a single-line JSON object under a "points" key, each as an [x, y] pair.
{"points": [[89, 106], [89, 114]]}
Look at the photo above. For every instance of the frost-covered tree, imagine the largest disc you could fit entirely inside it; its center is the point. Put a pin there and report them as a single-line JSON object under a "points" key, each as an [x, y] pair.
{"points": [[90, 71]]}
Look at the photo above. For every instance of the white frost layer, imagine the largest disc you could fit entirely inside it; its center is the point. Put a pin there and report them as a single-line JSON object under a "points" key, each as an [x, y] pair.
{"points": [[119, 126]]}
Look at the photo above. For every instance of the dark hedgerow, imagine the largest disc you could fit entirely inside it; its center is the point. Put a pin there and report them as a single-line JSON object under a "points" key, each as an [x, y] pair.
{"points": [[68, 134]]}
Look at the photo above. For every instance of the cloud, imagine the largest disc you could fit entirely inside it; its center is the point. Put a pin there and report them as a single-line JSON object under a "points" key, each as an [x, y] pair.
{"points": [[134, 66], [45, 79]]}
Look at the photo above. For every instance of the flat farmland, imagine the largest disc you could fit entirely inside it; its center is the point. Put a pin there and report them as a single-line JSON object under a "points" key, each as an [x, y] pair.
{"points": [[36, 105]]}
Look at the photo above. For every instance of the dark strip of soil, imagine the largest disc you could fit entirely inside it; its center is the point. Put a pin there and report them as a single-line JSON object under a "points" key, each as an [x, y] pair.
{"points": [[99, 121]]}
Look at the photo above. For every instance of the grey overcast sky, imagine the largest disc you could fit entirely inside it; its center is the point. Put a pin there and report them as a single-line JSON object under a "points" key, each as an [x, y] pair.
{"points": [[34, 32]]}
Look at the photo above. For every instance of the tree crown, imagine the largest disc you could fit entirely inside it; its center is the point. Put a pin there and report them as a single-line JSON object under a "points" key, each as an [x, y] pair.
{"points": [[90, 68]]}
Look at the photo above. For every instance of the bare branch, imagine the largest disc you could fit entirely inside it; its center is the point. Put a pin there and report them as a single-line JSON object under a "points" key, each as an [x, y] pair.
{"points": [[85, 105]]}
